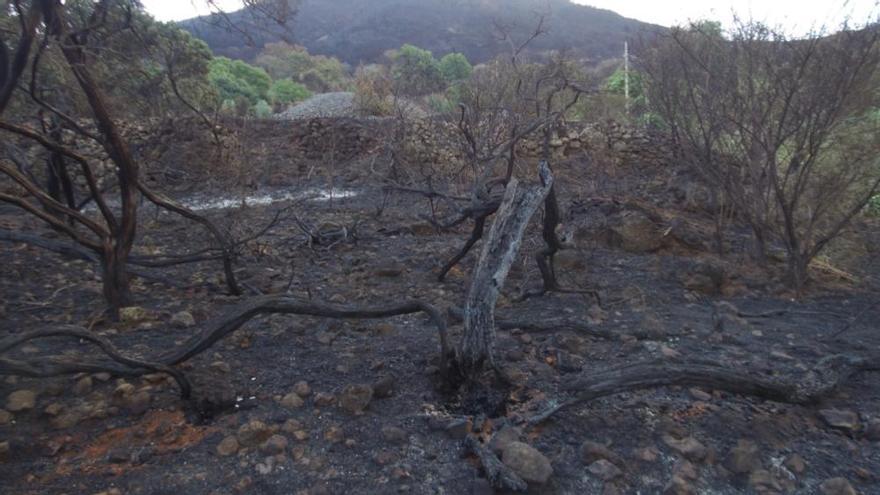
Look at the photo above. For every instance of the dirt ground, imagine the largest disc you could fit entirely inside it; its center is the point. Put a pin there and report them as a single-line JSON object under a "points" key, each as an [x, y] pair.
{"points": [[291, 427]]}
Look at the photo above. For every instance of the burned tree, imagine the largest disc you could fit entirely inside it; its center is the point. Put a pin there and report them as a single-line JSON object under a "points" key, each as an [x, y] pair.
{"points": [[502, 106], [781, 129], [70, 49]]}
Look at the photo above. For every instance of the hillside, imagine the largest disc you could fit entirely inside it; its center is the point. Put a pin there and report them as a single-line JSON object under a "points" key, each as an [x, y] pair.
{"points": [[360, 31]]}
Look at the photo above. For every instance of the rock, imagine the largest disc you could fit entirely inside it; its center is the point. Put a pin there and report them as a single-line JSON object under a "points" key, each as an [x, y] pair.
{"points": [[21, 400], [221, 366], [836, 486], [326, 338], [678, 486], [291, 426], [6, 417], [604, 470], [395, 435], [796, 464], [384, 387], [253, 433], [133, 314], [324, 399], [685, 470], [138, 402], [637, 233], [847, 421], [647, 454], [744, 458], [228, 446], [266, 466], [67, 419], [83, 386], [700, 394], [4, 451], [334, 434], [669, 352], [355, 398], [594, 451], [183, 319], [708, 279], [302, 389], [762, 480], [276, 444], [526, 461], [292, 401], [384, 329], [53, 409], [504, 437], [123, 390], [689, 447]]}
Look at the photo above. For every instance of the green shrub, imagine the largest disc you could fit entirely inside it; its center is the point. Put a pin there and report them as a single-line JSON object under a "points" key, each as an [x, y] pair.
{"points": [[455, 67], [284, 92], [262, 109], [416, 71]]}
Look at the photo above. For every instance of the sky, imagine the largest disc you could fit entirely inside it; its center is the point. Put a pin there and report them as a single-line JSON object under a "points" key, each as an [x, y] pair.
{"points": [[795, 16]]}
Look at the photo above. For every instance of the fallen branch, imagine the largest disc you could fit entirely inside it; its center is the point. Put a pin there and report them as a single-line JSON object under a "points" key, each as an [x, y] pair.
{"points": [[55, 367], [808, 388], [246, 311], [213, 332], [562, 324]]}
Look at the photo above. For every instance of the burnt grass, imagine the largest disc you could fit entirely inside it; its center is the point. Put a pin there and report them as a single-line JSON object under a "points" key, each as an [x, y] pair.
{"points": [[84, 439]]}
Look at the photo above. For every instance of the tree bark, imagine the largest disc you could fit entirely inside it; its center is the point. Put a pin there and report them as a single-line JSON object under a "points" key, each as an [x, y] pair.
{"points": [[498, 254]]}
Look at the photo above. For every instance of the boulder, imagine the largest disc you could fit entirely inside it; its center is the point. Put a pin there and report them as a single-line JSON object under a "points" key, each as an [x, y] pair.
{"points": [[21, 400], [355, 398], [527, 462]]}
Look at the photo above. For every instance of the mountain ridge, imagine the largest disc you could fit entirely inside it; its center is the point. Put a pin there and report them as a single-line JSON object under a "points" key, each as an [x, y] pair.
{"points": [[361, 31]]}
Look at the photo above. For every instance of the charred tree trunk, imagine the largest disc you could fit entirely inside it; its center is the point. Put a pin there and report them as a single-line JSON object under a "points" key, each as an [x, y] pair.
{"points": [[498, 254], [116, 280], [551, 242], [59, 184], [114, 276]]}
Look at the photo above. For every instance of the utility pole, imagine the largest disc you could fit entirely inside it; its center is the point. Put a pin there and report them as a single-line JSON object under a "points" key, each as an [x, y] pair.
{"points": [[626, 74]]}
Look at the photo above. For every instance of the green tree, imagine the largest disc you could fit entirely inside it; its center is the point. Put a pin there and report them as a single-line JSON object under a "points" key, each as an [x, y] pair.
{"points": [[416, 71], [317, 72], [285, 92], [234, 78], [455, 67]]}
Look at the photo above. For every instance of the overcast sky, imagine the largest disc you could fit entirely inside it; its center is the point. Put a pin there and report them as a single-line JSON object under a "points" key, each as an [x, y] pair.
{"points": [[796, 16]]}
